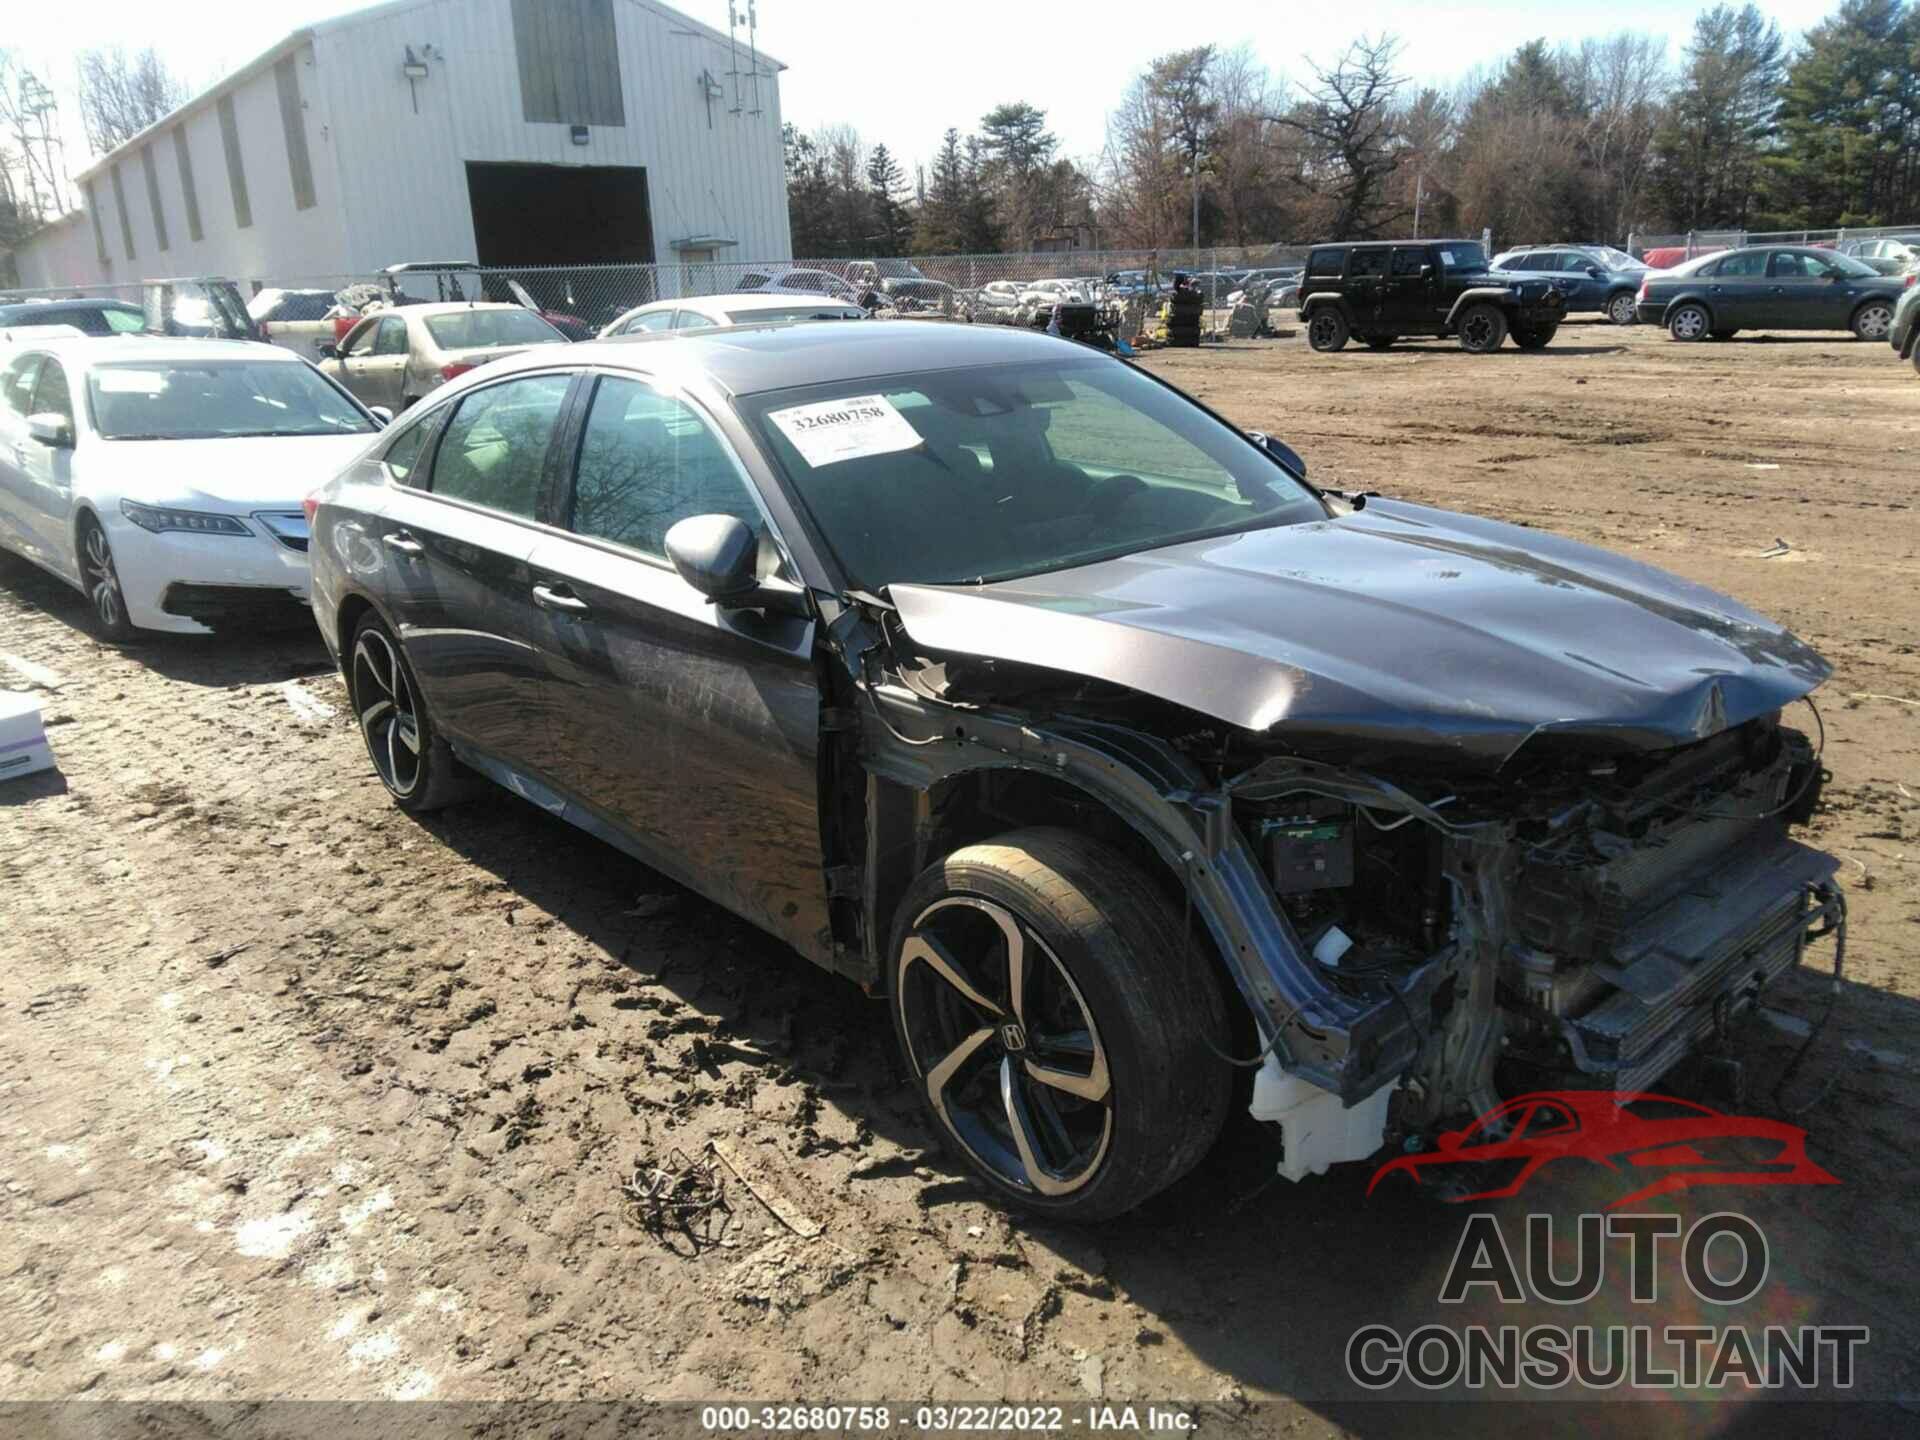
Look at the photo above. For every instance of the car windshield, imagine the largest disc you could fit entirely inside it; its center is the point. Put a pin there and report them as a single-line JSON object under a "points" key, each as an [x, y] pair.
{"points": [[476, 329], [217, 400], [767, 315], [1463, 255], [988, 473]]}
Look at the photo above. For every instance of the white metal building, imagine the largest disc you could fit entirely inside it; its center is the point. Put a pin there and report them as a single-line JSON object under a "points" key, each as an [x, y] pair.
{"points": [[511, 132]]}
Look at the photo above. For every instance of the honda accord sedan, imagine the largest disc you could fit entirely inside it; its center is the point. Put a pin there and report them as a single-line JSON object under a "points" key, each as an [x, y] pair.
{"points": [[1769, 287], [1011, 684], [164, 478]]}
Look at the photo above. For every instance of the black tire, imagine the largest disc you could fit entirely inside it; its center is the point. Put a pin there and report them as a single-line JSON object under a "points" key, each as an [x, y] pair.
{"points": [[1689, 322], [1872, 321], [1381, 342], [1622, 308], [106, 604], [1482, 328], [1916, 359], [1529, 338], [1118, 1002], [422, 776], [1327, 330]]}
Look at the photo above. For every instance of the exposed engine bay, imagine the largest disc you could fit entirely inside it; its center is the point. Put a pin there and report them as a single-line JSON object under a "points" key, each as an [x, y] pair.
{"points": [[1598, 918]]}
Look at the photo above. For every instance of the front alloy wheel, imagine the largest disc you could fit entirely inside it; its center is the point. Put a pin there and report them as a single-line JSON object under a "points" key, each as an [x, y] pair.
{"points": [[102, 582], [1056, 1021], [1009, 1054]]}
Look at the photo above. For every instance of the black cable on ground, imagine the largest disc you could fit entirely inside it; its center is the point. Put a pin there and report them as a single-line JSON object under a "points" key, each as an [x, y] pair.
{"points": [[1820, 1025]]}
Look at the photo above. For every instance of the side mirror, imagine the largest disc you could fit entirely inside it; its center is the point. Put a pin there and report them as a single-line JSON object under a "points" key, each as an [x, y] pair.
{"points": [[382, 414], [719, 555], [1595, 271], [1288, 457], [53, 431]]}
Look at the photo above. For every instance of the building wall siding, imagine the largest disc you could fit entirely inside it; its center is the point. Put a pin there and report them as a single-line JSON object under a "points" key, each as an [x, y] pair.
{"points": [[389, 184], [293, 129]]}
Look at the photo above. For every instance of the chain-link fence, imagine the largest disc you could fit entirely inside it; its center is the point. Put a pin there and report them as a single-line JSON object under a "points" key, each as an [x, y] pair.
{"points": [[1706, 242], [584, 300]]}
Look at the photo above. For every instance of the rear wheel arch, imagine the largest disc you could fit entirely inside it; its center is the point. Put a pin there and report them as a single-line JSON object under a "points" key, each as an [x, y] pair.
{"points": [[347, 620]]}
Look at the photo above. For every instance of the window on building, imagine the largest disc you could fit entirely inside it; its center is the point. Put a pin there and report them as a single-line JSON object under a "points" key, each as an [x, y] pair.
{"points": [[569, 59], [293, 123], [236, 167], [153, 195], [120, 204], [183, 159]]}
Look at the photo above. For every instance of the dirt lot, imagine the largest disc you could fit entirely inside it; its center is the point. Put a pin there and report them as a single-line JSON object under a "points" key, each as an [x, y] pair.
{"points": [[302, 1097]]}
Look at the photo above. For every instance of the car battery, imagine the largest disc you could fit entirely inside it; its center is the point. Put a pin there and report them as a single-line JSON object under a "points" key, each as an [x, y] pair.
{"points": [[23, 739], [1309, 846]]}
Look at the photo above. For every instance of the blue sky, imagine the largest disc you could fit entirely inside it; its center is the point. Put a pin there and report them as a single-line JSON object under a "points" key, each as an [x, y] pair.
{"points": [[951, 63]]}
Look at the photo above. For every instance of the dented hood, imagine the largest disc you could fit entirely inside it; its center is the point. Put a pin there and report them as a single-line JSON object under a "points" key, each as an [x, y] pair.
{"points": [[1397, 626]]}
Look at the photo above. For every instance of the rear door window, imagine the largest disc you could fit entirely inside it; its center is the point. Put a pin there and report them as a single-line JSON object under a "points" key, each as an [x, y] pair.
{"points": [[1743, 267], [648, 461], [51, 395], [1367, 264], [18, 384], [494, 452]]}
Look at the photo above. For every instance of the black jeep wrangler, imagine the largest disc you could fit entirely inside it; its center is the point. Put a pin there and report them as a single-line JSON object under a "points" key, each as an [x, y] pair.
{"points": [[1379, 290]]}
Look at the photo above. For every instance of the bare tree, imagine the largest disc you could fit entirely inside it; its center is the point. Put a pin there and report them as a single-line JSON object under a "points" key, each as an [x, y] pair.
{"points": [[121, 94], [1349, 117]]}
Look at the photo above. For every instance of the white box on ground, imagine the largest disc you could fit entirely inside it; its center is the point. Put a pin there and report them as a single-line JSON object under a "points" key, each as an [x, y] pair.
{"points": [[23, 739]]}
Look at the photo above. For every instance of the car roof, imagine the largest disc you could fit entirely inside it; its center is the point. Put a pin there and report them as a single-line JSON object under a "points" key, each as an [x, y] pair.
{"points": [[750, 360], [446, 307], [25, 308]]}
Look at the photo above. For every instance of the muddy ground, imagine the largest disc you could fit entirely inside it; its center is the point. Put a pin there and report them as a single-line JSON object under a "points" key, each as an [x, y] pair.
{"points": [[302, 1097]]}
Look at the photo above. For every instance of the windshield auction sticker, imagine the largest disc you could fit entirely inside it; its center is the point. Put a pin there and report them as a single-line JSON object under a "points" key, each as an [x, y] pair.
{"points": [[849, 429]]}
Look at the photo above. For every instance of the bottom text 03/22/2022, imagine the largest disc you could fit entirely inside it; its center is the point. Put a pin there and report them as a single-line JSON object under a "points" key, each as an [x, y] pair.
{"points": [[930, 1419]]}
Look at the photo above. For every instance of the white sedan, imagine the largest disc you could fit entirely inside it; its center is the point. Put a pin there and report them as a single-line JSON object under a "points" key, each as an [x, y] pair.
{"points": [[165, 479], [707, 312]]}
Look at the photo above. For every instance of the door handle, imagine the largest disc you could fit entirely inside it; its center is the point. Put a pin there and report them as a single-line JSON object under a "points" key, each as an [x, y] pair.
{"points": [[402, 543], [559, 597]]}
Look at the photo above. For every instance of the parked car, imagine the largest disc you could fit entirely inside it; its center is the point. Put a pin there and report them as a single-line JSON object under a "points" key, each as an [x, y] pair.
{"points": [[90, 316], [1667, 257], [902, 284], [707, 312], [1885, 254], [1589, 282], [1769, 287], [972, 663], [1379, 291], [276, 305], [394, 357], [802, 282], [164, 481], [1282, 282], [1904, 332]]}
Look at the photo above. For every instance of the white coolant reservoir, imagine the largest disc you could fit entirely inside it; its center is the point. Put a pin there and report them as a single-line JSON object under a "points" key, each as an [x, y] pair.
{"points": [[1315, 1128]]}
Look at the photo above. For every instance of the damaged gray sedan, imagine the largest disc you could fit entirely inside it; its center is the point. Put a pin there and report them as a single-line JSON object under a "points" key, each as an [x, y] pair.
{"points": [[1015, 686]]}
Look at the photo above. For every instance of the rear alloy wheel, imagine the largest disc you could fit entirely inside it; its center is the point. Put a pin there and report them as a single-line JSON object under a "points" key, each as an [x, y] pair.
{"points": [[416, 766], [1529, 338], [1482, 329], [1872, 320], [102, 582], [1689, 322], [1621, 309], [1327, 331], [1056, 1020]]}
